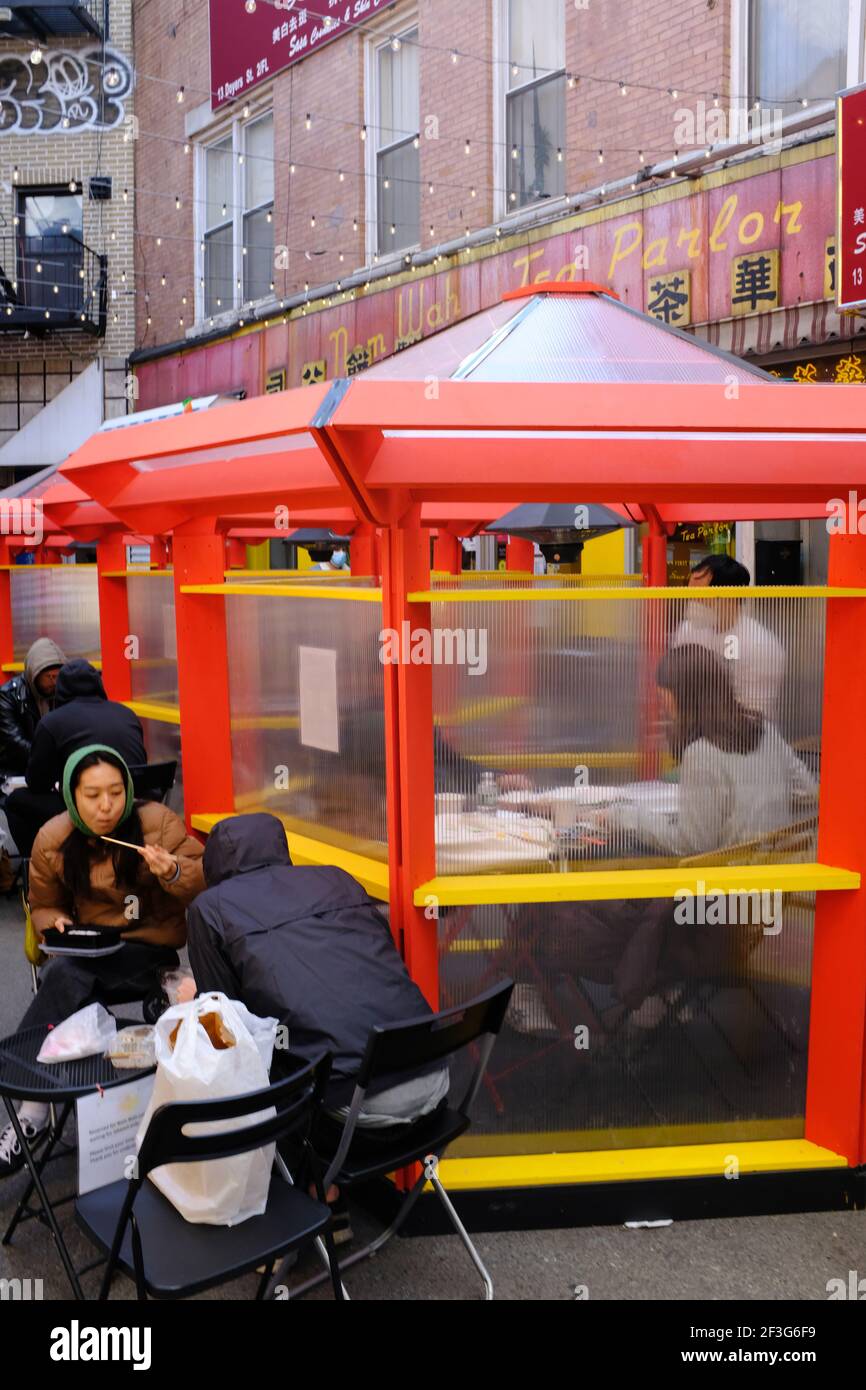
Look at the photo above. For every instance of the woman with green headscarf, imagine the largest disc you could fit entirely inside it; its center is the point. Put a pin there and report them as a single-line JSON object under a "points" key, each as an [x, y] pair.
{"points": [[139, 889]]}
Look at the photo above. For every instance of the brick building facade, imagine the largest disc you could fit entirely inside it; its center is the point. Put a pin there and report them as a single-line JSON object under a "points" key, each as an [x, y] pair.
{"points": [[67, 120]]}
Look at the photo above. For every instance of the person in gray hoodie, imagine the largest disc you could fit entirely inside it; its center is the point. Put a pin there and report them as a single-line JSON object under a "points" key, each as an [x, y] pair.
{"points": [[24, 700]]}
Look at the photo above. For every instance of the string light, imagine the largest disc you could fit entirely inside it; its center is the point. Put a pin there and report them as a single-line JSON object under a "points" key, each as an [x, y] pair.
{"points": [[177, 204], [36, 55], [623, 89], [180, 91], [395, 45], [455, 56], [363, 132], [601, 156], [309, 122], [467, 148], [246, 111], [250, 7]]}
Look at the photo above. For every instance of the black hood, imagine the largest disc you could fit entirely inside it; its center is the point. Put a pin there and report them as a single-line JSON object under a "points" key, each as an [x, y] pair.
{"points": [[241, 844], [78, 680]]}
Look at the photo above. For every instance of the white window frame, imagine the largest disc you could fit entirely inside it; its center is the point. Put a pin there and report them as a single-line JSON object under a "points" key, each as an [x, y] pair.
{"points": [[740, 55], [408, 21], [501, 92], [235, 126]]}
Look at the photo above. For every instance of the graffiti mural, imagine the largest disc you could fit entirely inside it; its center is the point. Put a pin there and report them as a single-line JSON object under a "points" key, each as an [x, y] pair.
{"points": [[70, 90]]}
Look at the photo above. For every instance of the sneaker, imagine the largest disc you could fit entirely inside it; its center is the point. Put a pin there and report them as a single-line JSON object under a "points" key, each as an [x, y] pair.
{"points": [[11, 1157], [527, 1014]]}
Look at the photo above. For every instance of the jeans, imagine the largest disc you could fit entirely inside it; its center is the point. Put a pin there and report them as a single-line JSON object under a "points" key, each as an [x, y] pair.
{"points": [[69, 983], [27, 812]]}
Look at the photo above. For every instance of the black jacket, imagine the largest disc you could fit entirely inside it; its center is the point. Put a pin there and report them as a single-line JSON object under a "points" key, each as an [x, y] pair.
{"points": [[19, 716], [82, 714], [305, 945]]}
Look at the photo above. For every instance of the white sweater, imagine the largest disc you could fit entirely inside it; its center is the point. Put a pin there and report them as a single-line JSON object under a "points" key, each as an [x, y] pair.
{"points": [[725, 798]]}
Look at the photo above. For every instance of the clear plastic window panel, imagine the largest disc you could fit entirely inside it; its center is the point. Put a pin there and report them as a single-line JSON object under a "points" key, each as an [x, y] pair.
{"points": [[152, 623], [629, 1029], [162, 742], [618, 733], [60, 602], [308, 719]]}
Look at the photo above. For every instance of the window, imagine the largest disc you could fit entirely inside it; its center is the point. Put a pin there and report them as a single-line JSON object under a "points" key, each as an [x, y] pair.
{"points": [[797, 49], [50, 252], [236, 209], [397, 140], [535, 101]]}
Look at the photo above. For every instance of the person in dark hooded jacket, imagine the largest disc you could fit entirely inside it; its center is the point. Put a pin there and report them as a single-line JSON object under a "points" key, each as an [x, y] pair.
{"points": [[82, 714], [24, 700], [311, 948]]}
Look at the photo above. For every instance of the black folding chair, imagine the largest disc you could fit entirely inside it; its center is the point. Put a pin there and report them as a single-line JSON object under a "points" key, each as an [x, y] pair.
{"points": [[168, 1257], [398, 1050], [153, 781]]}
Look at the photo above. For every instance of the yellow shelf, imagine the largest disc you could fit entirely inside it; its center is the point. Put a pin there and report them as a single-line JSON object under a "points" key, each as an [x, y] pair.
{"points": [[370, 873], [588, 595], [285, 591], [596, 885], [637, 1165], [13, 667]]}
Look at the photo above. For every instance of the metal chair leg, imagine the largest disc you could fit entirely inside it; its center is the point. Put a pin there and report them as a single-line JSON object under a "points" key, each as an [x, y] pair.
{"points": [[433, 1177], [375, 1246]]}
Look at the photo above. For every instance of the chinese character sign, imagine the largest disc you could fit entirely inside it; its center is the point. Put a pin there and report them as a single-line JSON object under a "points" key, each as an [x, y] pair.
{"points": [[247, 49], [851, 199]]}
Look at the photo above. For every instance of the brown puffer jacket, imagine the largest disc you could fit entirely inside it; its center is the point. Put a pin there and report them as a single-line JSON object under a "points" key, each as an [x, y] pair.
{"points": [[162, 906]]}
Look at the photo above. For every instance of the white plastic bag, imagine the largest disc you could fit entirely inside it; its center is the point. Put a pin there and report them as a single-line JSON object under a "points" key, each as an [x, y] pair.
{"points": [[189, 1066], [92, 1029]]}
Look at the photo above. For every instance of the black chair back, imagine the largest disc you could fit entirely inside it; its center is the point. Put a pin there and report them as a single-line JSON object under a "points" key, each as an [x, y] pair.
{"points": [[294, 1103], [407, 1047], [153, 781]]}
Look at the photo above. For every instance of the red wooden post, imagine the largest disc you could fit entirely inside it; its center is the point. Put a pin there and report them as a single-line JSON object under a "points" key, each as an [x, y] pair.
{"points": [[202, 669], [520, 555], [7, 636], [364, 552], [236, 553], [835, 1116], [114, 617], [158, 553], [409, 751], [447, 553], [655, 553]]}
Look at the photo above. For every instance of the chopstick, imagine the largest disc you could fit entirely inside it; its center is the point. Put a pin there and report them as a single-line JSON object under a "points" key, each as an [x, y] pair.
{"points": [[124, 843]]}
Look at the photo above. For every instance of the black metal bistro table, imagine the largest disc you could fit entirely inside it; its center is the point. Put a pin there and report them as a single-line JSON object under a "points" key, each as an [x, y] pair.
{"points": [[58, 1084]]}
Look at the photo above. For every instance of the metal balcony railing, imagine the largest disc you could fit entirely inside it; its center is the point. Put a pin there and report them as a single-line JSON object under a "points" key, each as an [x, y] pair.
{"points": [[51, 282], [47, 21]]}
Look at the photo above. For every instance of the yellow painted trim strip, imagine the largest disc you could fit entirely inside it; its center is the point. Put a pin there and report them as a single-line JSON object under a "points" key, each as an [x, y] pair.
{"points": [[575, 595], [370, 873], [154, 709], [324, 576], [465, 890], [511, 761], [138, 574], [637, 1165], [283, 591], [267, 721]]}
